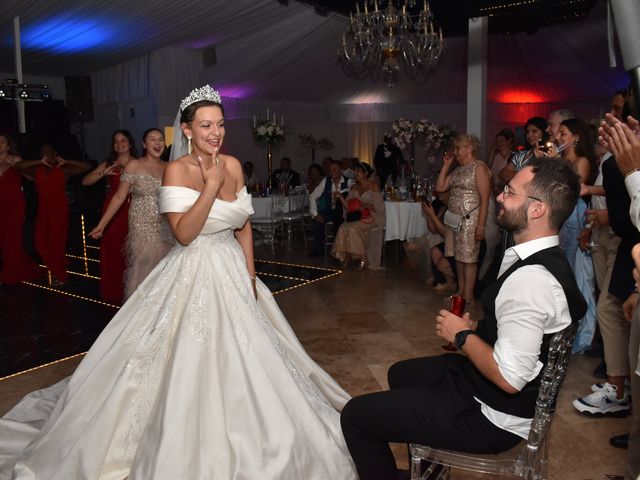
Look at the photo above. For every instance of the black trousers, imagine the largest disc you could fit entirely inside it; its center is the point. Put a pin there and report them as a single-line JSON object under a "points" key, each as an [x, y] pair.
{"points": [[422, 406], [317, 229]]}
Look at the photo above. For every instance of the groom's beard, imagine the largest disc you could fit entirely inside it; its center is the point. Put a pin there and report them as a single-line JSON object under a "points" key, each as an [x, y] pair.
{"points": [[513, 221]]}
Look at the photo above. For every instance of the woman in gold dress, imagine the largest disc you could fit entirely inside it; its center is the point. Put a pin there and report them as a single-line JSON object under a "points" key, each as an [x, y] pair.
{"points": [[148, 240], [470, 186], [365, 212]]}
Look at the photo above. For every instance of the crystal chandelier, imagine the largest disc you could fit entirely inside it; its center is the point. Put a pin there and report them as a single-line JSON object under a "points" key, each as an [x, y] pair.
{"points": [[377, 38]]}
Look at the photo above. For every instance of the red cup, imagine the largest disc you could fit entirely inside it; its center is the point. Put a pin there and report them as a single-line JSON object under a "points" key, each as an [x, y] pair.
{"points": [[457, 305], [457, 308]]}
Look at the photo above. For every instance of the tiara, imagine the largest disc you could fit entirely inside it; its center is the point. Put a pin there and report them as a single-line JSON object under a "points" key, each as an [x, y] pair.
{"points": [[199, 94]]}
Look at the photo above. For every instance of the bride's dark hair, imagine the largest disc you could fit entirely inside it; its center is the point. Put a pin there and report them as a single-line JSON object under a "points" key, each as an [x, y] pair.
{"points": [[189, 112]]}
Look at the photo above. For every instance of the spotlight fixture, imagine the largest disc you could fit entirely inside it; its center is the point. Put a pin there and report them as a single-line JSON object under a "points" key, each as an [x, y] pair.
{"points": [[46, 94], [24, 94], [2, 92]]}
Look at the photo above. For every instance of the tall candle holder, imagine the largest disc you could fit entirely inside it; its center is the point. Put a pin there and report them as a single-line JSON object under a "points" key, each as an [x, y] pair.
{"points": [[270, 133]]}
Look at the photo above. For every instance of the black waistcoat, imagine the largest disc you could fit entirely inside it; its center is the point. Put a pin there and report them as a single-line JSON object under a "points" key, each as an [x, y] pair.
{"points": [[522, 404]]}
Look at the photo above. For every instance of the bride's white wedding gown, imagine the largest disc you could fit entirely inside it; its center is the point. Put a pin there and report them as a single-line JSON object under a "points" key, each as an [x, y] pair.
{"points": [[191, 380]]}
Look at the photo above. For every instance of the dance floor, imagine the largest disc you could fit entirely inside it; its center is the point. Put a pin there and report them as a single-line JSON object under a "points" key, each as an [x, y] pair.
{"points": [[354, 324], [41, 323]]}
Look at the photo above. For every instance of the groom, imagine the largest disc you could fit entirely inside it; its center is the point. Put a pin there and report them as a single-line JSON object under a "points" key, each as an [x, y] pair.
{"points": [[483, 402]]}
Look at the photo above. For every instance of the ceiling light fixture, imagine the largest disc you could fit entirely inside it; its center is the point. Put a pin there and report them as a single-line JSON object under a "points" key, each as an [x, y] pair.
{"points": [[377, 39]]}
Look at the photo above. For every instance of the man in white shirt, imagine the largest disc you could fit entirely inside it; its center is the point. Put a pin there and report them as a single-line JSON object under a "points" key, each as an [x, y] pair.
{"points": [[324, 206], [483, 402]]}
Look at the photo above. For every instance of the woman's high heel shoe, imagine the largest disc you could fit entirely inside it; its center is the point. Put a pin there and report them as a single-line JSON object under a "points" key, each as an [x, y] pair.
{"points": [[362, 265]]}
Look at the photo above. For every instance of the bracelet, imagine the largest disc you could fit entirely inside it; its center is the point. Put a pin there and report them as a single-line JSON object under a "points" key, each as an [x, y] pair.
{"points": [[629, 172], [252, 278]]}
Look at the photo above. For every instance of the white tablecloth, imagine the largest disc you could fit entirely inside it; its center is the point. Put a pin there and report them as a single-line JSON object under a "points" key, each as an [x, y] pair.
{"points": [[262, 206], [404, 221]]}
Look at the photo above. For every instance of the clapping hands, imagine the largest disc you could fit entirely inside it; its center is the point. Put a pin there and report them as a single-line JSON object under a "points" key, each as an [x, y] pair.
{"points": [[622, 141]]}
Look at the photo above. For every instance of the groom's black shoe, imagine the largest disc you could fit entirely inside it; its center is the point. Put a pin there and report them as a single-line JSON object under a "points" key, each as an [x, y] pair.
{"points": [[403, 475]]}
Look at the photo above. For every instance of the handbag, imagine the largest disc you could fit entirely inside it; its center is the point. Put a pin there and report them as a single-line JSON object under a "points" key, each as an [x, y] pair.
{"points": [[353, 210], [452, 220], [455, 220]]}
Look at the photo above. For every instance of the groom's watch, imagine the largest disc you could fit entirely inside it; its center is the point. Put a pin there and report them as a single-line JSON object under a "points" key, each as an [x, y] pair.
{"points": [[461, 337]]}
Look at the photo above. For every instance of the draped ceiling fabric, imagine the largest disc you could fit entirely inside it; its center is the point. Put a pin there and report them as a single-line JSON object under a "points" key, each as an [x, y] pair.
{"points": [[273, 52], [282, 56]]}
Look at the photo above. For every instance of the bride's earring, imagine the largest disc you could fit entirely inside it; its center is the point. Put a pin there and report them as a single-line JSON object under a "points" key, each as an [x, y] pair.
{"points": [[189, 145]]}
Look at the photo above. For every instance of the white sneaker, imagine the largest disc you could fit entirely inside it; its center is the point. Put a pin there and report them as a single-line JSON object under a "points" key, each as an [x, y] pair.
{"points": [[604, 402], [596, 387]]}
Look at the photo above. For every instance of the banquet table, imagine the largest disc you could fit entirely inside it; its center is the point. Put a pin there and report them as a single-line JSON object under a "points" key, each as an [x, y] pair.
{"points": [[262, 205], [404, 221]]}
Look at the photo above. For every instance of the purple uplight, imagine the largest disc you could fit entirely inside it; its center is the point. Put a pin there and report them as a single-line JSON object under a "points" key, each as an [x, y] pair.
{"points": [[236, 91]]}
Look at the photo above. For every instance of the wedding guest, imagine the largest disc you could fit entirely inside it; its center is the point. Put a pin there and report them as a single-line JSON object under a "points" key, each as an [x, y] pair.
{"points": [[365, 211], [112, 256], [535, 132], [148, 240], [324, 207], [284, 177], [315, 174], [622, 140], [326, 165], [500, 156], [386, 160], [470, 186], [17, 266], [612, 398], [250, 179], [484, 401], [50, 175], [554, 119], [348, 165]]}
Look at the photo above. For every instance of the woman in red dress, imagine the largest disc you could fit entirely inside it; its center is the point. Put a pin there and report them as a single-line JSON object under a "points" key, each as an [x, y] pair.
{"points": [[52, 222], [16, 264], [112, 253]]}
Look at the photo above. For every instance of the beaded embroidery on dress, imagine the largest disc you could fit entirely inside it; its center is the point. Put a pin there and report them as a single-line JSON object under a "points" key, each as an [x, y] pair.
{"points": [[191, 379]]}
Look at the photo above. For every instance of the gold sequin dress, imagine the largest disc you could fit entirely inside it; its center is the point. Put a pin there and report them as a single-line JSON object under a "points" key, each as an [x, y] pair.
{"points": [[464, 200], [149, 239]]}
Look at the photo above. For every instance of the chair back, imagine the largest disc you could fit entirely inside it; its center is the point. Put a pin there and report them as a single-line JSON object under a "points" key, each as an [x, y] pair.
{"points": [[532, 461], [278, 201], [296, 203]]}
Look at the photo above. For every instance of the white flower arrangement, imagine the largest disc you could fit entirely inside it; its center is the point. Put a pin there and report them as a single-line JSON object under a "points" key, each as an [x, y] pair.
{"points": [[309, 141], [269, 132], [405, 132]]}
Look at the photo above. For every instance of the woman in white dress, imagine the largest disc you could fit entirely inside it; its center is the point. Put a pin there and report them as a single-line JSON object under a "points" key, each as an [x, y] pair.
{"points": [[193, 378]]}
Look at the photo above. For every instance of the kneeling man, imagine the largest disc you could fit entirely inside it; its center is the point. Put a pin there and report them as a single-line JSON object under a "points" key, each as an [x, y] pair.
{"points": [[483, 401]]}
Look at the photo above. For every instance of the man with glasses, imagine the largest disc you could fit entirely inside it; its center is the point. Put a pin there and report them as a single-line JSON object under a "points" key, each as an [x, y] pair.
{"points": [[484, 401]]}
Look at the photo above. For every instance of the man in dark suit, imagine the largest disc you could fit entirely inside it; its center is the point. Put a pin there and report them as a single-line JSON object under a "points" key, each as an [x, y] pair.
{"points": [[386, 160], [285, 178]]}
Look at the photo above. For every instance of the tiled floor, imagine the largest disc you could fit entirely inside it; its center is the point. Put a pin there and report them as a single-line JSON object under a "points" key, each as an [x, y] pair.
{"points": [[357, 323]]}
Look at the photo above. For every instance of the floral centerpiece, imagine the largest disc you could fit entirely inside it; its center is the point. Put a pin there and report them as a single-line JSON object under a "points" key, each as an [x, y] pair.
{"points": [[309, 141], [269, 132], [405, 132]]}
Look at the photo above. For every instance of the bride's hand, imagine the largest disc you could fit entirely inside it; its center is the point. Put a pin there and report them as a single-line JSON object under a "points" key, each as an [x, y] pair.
{"points": [[213, 174]]}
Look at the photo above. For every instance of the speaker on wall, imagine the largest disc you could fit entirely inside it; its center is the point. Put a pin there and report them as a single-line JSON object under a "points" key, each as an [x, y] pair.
{"points": [[79, 98]]}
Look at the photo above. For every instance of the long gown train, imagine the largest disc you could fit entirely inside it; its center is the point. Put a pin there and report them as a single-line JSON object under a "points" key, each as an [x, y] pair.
{"points": [[192, 379]]}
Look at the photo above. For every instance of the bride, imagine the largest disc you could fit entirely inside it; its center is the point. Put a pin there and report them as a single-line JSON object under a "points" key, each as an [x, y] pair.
{"points": [[199, 375]]}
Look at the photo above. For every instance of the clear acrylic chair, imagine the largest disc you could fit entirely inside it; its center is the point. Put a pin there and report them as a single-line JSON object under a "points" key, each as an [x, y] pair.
{"points": [[266, 229], [294, 219], [529, 460]]}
